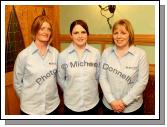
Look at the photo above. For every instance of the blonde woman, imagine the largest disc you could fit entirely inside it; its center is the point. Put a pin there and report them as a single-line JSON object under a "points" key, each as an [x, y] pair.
{"points": [[124, 72]]}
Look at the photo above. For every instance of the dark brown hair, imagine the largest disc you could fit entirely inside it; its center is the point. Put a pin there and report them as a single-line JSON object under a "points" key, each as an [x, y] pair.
{"points": [[79, 22]]}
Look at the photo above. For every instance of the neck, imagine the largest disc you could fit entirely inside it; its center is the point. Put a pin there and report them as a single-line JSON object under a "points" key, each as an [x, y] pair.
{"points": [[42, 47], [125, 48], [121, 51], [79, 48]]}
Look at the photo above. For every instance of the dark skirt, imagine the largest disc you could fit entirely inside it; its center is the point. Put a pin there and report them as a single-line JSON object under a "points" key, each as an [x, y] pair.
{"points": [[93, 111]]}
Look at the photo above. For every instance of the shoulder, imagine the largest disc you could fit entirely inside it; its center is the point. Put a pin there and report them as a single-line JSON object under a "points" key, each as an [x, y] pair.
{"points": [[94, 50], [24, 53], [107, 51], [54, 50], [138, 51], [63, 54], [65, 51]]}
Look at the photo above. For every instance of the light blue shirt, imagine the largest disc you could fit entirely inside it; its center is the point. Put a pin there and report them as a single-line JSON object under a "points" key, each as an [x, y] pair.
{"points": [[124, 78], [79, 78], [35, 80]]}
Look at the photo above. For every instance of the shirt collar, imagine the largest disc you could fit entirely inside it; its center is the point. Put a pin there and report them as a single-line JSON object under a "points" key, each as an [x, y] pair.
{"points": [[130, 50], [34, 48], [72, 48]]}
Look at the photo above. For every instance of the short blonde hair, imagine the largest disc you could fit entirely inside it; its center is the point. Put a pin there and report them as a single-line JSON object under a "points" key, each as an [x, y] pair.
{"points": [[128, 27], [36, 25]]}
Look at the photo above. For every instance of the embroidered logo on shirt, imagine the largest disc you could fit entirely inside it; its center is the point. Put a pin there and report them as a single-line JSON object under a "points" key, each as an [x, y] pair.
{"points": [[133, 68], [52, 63]]}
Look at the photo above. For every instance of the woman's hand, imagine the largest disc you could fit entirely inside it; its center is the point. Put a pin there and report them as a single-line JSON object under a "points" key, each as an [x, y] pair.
{"points": [[117, 105]]}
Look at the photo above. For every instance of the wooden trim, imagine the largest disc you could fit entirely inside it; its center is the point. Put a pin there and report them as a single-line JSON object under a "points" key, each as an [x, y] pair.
{"points": [[56, 42], [6, 102], [65, 37], [152, 69], [44, 6], [140, 39], [148, 40], [8, 78]]}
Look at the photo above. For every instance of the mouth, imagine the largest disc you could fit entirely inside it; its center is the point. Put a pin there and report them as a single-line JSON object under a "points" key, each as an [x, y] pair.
{"points": [[80, 40], [45, 36], [119, 41]]}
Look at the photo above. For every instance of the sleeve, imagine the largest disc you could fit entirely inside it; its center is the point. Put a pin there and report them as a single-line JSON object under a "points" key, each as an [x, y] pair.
{"points": [[61, 72], [104, 83], [137, 90], [98, 67], [18, 74]]}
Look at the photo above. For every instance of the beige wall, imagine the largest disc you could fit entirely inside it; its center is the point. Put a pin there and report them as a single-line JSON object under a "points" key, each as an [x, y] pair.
{"points": [[141, 16]]}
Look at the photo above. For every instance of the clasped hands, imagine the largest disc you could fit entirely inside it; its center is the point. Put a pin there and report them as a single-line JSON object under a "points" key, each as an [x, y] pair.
{"points": [[117, 106]]}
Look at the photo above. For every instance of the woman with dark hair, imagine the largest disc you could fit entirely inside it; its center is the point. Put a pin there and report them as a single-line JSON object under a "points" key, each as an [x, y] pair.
{"points": [[78, 72], [35, 72], [124, 73]]}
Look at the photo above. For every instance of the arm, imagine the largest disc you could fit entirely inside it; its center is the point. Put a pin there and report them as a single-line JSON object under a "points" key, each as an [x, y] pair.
{"points": [[98, 67], [105, 86], [61, 76], [141, 83], [18, 74]]}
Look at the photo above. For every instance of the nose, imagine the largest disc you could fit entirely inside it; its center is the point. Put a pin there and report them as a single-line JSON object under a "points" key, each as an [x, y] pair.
{"points": [[80, 35], [47, 31], [118, 35]]}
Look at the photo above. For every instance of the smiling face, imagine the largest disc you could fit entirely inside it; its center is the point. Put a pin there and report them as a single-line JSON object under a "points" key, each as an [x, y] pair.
{"points": [[121, 36], [122, 33], [44, 33], [79, 36], [41, 29]]}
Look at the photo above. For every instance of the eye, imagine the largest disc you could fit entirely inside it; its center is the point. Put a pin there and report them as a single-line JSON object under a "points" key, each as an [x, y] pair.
{"points": [[123, 33], [46, 28], [84, 32], [115, 33], [49, 29], [42, 28], [75, 32]]}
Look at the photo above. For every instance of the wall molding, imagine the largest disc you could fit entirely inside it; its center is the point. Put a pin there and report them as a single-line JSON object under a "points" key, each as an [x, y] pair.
{"points": [[140, 39], [152, 69]]}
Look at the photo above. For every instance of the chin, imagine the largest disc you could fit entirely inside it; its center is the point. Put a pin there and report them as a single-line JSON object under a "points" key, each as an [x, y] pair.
{"points": [[81, 44], [45, 39], [119, 45]]}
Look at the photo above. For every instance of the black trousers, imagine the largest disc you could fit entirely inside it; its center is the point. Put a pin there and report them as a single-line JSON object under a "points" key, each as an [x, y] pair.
{"points": [[93, 111], [55, 112], [139, 111]]}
